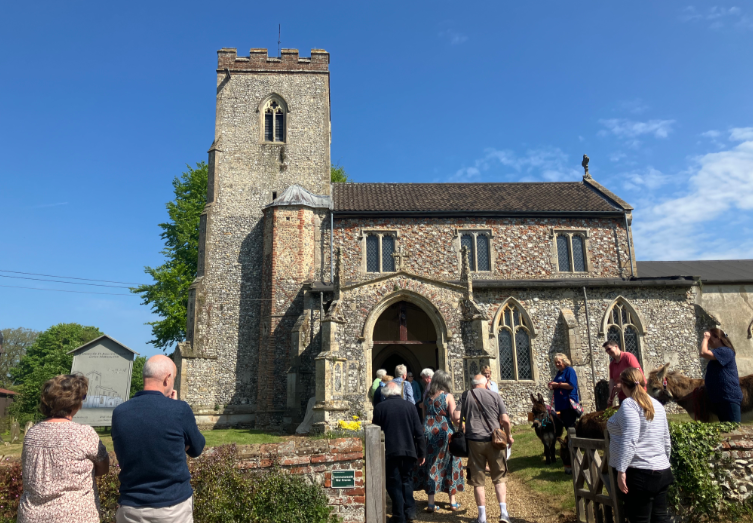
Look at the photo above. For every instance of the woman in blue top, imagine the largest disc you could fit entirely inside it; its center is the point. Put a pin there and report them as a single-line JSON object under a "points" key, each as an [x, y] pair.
{"points": [[565, 387], [722, 381]]}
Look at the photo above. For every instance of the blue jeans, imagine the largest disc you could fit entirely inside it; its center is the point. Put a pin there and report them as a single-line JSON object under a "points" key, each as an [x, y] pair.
{"points": [[728, 411], [400, 488]]}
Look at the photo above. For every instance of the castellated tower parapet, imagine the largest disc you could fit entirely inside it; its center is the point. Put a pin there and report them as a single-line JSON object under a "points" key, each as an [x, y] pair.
{"points": [[272, 131]]}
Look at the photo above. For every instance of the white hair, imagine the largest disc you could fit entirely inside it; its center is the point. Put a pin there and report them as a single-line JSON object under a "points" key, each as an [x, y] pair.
{"points": [[157, 367], [381, 373], [391, 389], [479, 379], [427, 373], [400, 371]]}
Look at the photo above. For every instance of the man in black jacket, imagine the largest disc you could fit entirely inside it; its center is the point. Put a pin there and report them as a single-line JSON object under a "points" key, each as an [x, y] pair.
{"points": [[404, 445]]}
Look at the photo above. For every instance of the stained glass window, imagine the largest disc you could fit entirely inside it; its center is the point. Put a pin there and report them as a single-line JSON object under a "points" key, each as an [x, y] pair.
{"points": [[523, 351], [466, 241], [372, 253], [506, 363], [579, 254], [388, 247], [563, 253], [482, 253]]}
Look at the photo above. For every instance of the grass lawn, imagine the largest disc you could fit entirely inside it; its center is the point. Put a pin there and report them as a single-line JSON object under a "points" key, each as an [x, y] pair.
{"points": [[214, 438], [528, 465]]}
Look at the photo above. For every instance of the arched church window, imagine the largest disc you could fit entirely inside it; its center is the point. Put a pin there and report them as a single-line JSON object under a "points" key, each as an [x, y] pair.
{"points": [[621, 328], [274, 122], [479, 255], [514, 337]]}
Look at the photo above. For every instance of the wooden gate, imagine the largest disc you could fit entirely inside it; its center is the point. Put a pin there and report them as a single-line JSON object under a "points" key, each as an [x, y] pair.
{"points": [[594, 481]]}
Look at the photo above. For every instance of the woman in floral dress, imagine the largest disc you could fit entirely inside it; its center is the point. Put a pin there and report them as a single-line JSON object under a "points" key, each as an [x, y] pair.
{"points": [[442, 472]]}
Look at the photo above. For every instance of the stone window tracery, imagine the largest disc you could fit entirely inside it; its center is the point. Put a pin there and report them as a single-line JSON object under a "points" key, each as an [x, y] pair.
{"points": [[274, 121], [571, 252], [514, 337], [380, 250], [623, 329], [479, 255]]}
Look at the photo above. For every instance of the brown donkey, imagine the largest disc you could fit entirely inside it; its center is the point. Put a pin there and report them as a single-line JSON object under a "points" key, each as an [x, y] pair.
{"points": [[690, 394]]}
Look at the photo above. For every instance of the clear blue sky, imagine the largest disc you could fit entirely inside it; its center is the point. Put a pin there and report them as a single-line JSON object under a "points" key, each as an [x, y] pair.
{"points": [[102, 104]]}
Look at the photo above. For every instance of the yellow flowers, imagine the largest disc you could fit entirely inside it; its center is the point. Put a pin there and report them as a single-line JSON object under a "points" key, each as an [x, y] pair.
{"points": [[350, 425]]}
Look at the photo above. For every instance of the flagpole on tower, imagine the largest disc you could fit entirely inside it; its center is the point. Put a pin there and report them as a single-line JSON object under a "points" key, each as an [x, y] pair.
{"points": [[279, 54]]}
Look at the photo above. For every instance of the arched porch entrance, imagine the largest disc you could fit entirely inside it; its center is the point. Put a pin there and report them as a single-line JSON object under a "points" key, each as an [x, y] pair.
{"points": [[404, 334], [404, 328]]}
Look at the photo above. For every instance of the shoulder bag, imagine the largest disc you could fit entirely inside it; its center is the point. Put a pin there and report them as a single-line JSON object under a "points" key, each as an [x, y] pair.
{"points": [[458, 446], [499, 438]]}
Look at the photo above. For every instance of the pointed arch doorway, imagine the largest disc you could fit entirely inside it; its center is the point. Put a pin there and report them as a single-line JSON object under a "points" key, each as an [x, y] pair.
{"points": [[404, 334]]}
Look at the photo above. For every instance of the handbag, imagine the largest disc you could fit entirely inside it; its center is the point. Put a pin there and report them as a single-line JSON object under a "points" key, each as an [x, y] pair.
{"points": [[577, 407], [499, 438], [458, 446]]}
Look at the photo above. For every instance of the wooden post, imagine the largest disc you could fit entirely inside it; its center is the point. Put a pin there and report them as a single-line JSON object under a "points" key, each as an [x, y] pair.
{"points": [[376, 510], [616, 502], [575, 470]]}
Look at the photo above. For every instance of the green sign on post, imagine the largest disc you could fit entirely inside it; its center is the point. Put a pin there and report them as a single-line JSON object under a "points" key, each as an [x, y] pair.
{"points": [[343, 478]]}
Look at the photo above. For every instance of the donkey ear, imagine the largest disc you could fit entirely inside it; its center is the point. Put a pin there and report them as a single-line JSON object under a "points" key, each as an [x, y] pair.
{"points": [[541, 398], [663, 370], [532, 398]]}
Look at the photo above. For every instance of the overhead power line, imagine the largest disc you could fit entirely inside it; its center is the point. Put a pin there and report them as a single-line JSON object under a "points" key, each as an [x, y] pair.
{"points": [[61, 281], [65, 290], [71, 277]]}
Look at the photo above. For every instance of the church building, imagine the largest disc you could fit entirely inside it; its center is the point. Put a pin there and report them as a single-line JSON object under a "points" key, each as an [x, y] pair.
{"points": [[305, 287]]}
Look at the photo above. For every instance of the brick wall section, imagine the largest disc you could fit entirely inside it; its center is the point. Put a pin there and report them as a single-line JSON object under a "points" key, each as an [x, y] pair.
{"points": [[316, 459]]}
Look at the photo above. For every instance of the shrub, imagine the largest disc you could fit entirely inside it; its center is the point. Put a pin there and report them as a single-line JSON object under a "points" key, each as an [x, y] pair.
{"points": [[284, 498], [108, 487], [11, 488], [221, 491], [697, 490]]}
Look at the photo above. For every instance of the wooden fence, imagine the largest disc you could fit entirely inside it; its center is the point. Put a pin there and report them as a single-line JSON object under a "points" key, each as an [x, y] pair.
{"points": [[594, 481]]}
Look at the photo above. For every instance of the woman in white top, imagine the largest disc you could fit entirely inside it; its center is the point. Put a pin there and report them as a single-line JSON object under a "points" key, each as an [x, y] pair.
{"points": [[639, 449]]}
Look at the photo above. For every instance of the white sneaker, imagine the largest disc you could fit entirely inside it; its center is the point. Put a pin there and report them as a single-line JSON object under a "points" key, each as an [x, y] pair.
{"points": [[504, 518]]}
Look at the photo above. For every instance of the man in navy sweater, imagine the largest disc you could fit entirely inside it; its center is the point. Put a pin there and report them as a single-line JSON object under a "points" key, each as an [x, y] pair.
{"points": [[152, 433], [404, 444]]}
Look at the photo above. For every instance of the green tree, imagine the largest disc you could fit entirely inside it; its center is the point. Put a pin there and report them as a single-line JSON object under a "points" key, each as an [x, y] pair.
{"points": [[168, 295], [337, 173], [44, 359], [16, 341], [137, 376]]}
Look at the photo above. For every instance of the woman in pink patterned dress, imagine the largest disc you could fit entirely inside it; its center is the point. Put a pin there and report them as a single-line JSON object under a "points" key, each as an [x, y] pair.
{"points": [[61, 458]]}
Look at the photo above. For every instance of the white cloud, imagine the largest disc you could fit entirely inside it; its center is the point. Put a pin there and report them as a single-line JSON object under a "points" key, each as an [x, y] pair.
{"points": [[616, 157], [739, 134], [624, 128], [649, 178], [549, 164], [716, 15], [454, 37], [711, 134], [695, 225]]}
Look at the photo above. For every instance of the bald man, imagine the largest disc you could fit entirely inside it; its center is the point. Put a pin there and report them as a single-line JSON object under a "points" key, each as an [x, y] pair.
{"points": [[152, 433]]}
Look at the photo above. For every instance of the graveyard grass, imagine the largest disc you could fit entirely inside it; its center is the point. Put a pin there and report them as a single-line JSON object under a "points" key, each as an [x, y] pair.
{"points": [[214, 438]]}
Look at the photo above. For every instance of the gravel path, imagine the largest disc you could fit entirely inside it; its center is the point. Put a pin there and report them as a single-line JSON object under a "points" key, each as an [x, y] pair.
{"points": [[523, 505]]}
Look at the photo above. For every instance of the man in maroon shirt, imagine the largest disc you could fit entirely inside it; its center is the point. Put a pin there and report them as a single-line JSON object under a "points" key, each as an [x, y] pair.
{"points": [[620, 360]]}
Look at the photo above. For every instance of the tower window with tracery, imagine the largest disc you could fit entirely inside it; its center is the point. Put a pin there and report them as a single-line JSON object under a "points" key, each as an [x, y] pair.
{"points": [[274, 122], [621, 328], [514, 336]]}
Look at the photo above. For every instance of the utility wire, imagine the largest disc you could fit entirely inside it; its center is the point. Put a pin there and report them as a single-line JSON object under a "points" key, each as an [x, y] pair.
{"points": [[61, 281], [71, 277], [64, 290]]}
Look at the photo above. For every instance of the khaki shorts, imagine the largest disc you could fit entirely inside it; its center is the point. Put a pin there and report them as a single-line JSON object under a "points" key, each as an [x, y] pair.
{"points": [[180, 513], [479, 454]]}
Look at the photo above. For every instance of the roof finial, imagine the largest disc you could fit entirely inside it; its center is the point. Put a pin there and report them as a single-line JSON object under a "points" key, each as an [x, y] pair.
{"points": [[584, 163]]}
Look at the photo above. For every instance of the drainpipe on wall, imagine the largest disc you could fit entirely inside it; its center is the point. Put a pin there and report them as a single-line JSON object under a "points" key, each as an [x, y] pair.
{"points": [[331, 247], [590, 348], [630, 252]]}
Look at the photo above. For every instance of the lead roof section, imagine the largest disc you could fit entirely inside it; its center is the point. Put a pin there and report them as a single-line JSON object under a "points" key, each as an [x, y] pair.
{"points": [[709, 271], [473, 198]]}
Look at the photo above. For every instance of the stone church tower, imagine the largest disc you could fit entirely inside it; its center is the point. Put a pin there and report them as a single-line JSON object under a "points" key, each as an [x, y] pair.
{"points": [[272, 131]]}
